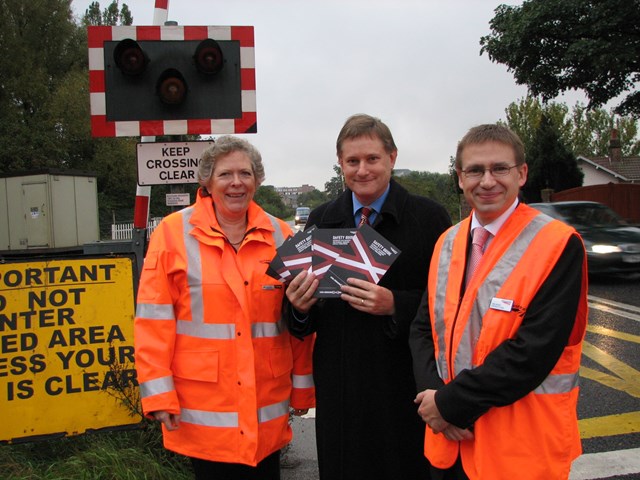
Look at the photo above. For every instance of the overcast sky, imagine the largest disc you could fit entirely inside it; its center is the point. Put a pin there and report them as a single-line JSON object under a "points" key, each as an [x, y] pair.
{"points": [[415, 64]]}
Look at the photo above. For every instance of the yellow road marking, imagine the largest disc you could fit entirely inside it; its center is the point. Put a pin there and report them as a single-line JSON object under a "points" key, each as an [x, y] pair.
{"points": [[629, 337], [625, 378], [620, 424]]}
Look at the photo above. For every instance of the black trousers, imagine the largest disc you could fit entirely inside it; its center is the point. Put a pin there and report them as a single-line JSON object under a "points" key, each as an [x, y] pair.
{"points": [[267, 469]]}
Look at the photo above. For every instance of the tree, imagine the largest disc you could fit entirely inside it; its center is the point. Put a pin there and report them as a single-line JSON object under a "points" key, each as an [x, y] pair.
{"points": [[591, 132], [112, 159], [553, 46], [585, 131], [113, 162], [335, 186], [312, 199], [112, 15], [551, 163], [40, 46], [524, 118], [267, 197], [436, 186]]}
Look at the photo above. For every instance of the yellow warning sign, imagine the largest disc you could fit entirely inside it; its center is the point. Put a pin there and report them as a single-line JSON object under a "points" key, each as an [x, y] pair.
{"points": [[66, 346]]}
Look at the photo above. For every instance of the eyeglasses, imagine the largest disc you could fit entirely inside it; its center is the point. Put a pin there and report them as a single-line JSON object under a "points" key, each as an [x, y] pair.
{"points": [[496, 171]]}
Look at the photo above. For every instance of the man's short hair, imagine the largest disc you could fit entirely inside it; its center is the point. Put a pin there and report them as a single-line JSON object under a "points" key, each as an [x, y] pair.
{"points": [[360, 125], [491, 132]]}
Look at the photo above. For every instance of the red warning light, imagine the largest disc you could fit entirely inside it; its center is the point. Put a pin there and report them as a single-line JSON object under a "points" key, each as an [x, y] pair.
{"points": [[208, 57], [130, 58]]}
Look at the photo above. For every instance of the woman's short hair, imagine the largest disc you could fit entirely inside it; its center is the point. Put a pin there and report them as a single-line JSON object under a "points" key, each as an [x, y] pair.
{"points": [[360, 125], [491, 132], [223, 146]]}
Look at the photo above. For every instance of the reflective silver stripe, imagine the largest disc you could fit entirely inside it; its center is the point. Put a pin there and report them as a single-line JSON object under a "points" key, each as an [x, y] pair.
{"points": [[440, 296], [562, 383], [217, 331], [491, 286], [209, 419], [265, 330], [230, 419], [278, 236], [197, 327], [194, 268], [302, 381], [156, 386], [273, 411], [155, 311]]}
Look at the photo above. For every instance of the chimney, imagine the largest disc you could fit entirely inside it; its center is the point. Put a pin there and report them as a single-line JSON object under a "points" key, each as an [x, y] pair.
{"points": [[615, 147]]}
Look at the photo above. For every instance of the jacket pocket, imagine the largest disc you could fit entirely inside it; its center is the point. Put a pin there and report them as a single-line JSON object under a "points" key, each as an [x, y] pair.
{"points": [[200, 365], [281, 360]]}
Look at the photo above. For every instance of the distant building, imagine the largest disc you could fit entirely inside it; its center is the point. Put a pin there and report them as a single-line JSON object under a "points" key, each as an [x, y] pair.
{"points": [[290, 195], [613, 168], [401, 172], [613, 180]]}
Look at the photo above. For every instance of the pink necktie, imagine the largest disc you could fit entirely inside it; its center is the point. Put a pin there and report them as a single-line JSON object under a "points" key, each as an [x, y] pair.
{"points": [[480, 236], [365, 212]]}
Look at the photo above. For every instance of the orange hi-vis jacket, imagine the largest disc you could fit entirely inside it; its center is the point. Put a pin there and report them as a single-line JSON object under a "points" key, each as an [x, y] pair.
{"points": [[210, 342], [537, 436]]}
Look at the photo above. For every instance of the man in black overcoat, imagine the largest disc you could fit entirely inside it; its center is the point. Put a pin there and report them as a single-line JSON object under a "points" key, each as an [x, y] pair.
{"points": [[366, 421]]}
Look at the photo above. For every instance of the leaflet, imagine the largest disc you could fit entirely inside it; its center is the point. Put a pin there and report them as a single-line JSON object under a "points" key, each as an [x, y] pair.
{"points": [[368, 256], [296, 252], [329, 244]]}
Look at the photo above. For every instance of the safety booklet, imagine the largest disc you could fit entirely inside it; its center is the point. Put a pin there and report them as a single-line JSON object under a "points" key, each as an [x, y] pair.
{"points": [[327, 245], [367, 256], [292, 257]]}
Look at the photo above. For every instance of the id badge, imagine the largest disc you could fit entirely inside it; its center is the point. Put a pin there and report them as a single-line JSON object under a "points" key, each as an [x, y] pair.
{"points": [[501, 304]]}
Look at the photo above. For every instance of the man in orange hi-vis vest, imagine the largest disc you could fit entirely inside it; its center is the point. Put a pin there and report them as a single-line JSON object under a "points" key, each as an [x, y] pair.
{"points": [[497, 350]]}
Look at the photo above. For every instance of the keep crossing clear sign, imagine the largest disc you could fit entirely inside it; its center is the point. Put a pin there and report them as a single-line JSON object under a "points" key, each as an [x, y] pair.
{"points": [[169, 162], [66, 346]]}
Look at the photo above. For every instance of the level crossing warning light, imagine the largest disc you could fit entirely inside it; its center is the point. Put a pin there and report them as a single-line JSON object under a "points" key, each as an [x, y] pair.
{"points": [[171, 80], [129, 58]]}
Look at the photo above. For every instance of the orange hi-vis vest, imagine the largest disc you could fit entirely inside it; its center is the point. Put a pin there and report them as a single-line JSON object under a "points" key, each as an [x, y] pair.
{"points": [[210, 341], [537, 436]]}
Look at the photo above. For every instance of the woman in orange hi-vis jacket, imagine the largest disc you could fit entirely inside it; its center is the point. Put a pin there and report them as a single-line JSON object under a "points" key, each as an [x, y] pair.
{"points": [[215, 362]]}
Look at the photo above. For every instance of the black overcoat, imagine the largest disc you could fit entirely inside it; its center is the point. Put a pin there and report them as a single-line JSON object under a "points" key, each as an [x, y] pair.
{"points": [[367, 426]]}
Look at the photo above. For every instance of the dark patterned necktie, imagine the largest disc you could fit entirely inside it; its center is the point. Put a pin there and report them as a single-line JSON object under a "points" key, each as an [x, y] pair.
{"points": [[365, 213]]}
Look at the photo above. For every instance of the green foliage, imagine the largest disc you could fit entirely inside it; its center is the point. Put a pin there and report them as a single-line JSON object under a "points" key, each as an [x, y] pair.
{"points": [[335, 186], [312, 199], [112, 15], [115, 455], [551, 163], [40, 46], [267, 197], [134, 452], [524, 118], [436, 186], [553, 46], [44, 106], [440, 187], [591, 132], [113, 161], [585, 131]]}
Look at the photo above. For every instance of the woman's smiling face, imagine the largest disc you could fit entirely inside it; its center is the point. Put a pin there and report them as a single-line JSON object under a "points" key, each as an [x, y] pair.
{"points": [[232, 184]]}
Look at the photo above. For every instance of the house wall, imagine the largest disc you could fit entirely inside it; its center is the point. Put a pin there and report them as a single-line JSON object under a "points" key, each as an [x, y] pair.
{"points": [[594, 176]]}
